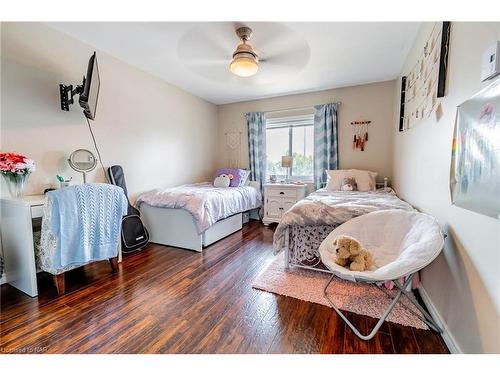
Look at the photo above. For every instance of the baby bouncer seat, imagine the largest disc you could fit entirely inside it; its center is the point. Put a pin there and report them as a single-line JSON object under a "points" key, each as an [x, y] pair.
{"points": [[401, 242]]}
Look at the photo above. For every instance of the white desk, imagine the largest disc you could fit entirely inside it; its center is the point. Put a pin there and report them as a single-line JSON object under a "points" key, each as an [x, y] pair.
{"points": [[17, 240]]}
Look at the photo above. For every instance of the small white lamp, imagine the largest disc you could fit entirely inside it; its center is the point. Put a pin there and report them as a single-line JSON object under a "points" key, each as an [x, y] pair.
{"points": [[287, 162]]}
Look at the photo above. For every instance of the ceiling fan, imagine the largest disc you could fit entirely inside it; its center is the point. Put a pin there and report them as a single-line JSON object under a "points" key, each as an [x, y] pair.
{"points": [[245, 61], [210, 50]]}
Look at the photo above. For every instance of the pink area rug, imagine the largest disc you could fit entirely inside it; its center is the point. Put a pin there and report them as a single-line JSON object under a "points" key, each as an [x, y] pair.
{"points": [[359, 298]]}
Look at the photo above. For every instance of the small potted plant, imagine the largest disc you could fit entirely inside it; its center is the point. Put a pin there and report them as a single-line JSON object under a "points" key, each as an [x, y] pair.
{"points": [[15, 169]]}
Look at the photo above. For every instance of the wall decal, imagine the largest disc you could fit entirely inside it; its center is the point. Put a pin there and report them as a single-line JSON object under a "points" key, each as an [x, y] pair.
{"points": [[233, 146]]}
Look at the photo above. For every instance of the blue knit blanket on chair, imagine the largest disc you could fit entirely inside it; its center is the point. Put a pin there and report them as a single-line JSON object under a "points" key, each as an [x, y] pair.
{"points": [[86, 221]]}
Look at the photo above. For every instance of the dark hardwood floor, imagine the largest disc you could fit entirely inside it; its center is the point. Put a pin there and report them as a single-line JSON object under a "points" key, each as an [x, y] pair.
{"points": [[168, 300]]}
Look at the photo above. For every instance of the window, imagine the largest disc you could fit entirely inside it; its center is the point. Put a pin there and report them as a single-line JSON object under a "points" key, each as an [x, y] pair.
{"points": [[293, 136]]}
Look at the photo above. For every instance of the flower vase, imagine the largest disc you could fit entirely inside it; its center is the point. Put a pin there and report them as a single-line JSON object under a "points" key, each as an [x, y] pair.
{"points": [[16, 183]]}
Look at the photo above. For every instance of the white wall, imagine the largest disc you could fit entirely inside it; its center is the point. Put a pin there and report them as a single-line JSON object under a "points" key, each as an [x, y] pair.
{"points": [[464, 282], [2, 279], [160, 134], [370, 102]]}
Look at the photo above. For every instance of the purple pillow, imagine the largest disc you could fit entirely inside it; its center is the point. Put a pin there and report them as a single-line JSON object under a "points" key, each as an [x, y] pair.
{"points": [[238, 175]]}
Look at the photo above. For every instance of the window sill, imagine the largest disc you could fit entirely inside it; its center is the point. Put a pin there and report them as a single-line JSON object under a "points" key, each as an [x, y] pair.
{"points": [[282, 180]]}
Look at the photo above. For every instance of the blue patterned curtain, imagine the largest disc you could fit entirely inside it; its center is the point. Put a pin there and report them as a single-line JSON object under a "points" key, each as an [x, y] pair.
{"points": [[256, 122], [325, 141]]}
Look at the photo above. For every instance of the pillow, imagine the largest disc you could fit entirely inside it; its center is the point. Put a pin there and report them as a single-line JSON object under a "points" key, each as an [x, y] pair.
{"points": [[335, 178], [222, 181], [236, 175], [364, 179], [245, 178]]}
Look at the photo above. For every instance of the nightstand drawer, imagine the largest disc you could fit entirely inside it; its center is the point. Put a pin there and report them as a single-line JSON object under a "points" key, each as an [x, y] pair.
{"points": [[284, 193]]}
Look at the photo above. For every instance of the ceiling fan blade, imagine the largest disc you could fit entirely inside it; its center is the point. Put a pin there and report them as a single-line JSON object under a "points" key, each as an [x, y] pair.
{"points": [[201, 43], [217, 71], [214, 62], [271, 37], [293, 58]]}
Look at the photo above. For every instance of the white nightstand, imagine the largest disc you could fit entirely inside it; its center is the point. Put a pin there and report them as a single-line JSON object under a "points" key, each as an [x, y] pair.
{"points": [[278, 198]]}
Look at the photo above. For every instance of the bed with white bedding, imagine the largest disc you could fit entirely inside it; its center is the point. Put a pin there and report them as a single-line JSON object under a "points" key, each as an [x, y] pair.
{"points": [[303, 227], [194, 216]]}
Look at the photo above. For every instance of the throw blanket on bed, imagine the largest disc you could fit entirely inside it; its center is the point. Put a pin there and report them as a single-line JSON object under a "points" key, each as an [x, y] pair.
{"points": [[334, 208], [83, 223], [206, 203]]}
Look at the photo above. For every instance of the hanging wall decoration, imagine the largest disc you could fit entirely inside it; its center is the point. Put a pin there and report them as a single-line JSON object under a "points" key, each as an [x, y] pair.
{"points": [[475, 156], [360, 136], [425, 83], [233, 147]]}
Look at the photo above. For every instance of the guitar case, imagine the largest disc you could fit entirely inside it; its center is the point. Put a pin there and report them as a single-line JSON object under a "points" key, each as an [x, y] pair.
{"points": [[134, 234]]}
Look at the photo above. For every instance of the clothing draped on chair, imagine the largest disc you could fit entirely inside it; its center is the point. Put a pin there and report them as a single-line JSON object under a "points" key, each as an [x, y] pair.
{"points": [[256, 122], [325, 141], [80, 224]]}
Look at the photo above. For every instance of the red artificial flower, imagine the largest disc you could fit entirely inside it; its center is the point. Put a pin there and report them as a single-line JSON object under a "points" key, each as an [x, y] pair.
{"points": [[12, 157]]}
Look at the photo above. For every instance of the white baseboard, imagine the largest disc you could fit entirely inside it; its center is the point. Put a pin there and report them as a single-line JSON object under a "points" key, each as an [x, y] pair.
{"points": [[448, 338]]}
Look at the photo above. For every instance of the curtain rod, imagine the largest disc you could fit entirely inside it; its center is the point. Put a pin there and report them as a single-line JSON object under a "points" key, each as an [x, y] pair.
{"points": [[295, 108]]}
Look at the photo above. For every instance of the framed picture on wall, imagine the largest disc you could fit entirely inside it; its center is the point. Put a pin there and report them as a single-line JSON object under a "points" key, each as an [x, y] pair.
{"points": [[475, 163], [425, 82]]}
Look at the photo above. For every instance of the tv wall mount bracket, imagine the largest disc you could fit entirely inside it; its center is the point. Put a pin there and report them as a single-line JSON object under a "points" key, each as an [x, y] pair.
{"points": [[67, 92]]}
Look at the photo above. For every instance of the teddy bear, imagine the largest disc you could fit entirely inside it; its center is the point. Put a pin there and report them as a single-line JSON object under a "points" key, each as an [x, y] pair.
{"points": [[349, 184], [351, 254]]}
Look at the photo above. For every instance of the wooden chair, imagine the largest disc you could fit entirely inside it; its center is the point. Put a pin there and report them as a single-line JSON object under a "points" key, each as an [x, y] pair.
{"points": [[60, 282], [47, 247]]}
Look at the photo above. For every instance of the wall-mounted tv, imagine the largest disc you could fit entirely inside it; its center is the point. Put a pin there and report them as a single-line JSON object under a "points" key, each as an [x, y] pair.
{"points": [[88, 91]]}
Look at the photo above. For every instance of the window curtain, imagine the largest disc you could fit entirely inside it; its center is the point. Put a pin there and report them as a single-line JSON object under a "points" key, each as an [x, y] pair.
{"points": [[325, 141], [256, 122]]}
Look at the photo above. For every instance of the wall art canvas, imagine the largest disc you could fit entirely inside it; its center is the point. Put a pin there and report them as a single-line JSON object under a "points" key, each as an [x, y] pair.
{"points": [[475, 162], [425, 83]]}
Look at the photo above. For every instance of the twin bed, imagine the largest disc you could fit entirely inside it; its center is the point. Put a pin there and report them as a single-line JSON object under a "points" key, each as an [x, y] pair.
{"points": [[196, 215], [303, 228]]}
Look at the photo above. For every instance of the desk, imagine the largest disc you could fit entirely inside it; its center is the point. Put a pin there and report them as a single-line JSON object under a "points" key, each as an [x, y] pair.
{"points": [[16, 228], [17, 240]]}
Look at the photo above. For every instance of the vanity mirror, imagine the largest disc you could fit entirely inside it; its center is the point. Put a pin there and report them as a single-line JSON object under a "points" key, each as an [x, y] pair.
{"points": [[83, 161]]}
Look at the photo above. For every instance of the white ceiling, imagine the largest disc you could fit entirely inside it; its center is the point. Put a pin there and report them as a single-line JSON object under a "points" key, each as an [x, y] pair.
{"points": [[297, 57]]}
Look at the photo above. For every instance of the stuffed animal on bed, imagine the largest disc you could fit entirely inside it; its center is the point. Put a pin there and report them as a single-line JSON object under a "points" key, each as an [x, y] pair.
{"points": [[349, 184], [223, 181], [351, 254]]}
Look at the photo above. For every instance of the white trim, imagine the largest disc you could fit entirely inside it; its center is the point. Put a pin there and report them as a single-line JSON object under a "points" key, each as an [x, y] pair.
{"points": [[304, 179], [448, 338], [290, 121]]}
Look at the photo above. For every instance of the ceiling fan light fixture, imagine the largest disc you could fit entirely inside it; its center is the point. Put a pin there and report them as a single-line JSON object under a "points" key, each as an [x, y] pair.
{"points": [[244, 65], [245, 61]]}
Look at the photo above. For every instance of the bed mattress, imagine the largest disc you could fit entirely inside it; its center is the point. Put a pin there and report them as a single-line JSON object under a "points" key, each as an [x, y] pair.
{"points": [[206, 203], [309, 221]]}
